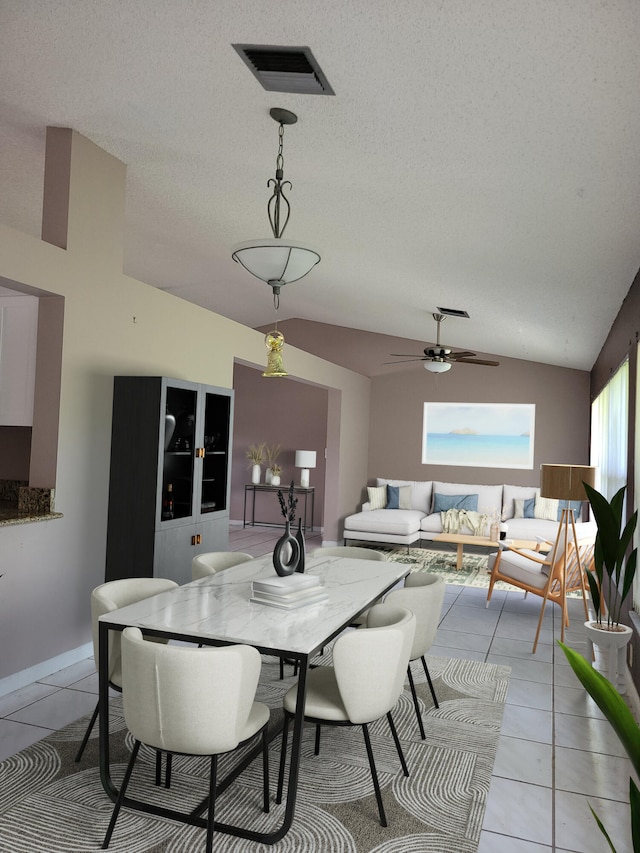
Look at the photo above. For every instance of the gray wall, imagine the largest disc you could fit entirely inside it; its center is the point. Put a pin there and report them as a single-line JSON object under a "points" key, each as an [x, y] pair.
{"points": [[277, 411], [398, 394]]}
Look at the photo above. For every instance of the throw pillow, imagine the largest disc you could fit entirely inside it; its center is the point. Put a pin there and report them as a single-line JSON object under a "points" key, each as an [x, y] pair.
{"points": [[524, 508], [441, 503], [576, 506], [398, 497], [546, 508], [377, 496]]}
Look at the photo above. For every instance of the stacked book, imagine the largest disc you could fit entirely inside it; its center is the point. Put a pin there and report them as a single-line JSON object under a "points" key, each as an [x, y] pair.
{"points": [[290, 592]]}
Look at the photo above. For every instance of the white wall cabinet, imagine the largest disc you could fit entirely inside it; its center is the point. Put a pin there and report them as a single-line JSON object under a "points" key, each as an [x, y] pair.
{"points": [[18, 344]]}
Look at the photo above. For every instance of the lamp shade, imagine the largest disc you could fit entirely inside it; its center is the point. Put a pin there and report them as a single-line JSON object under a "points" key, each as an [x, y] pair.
{"points": [[305, 459], [565, 482], [437, 366], [274, 260]]}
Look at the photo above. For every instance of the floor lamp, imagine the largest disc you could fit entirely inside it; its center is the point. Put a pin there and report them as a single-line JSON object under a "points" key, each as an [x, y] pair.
{"points": [[566, 483]]}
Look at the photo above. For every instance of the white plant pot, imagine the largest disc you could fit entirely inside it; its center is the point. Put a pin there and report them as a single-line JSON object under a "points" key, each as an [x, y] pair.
{"points": [[268, 476], [275, 480], [613, 644], [255, 474]]}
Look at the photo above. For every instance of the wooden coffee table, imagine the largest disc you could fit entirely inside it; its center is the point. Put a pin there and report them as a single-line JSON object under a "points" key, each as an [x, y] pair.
{"points": [[462, 539]]}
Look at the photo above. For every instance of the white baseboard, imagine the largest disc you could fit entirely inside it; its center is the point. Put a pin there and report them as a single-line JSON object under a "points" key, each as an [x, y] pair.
{"points": [[47, 667]]}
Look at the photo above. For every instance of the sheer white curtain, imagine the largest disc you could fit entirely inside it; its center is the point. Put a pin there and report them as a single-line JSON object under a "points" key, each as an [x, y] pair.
{"points": [[609, 433], [609, 441]]}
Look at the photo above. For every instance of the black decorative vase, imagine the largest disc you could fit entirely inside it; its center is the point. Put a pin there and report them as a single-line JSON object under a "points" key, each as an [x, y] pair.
{"points": [[286, 541], [300, 539]]}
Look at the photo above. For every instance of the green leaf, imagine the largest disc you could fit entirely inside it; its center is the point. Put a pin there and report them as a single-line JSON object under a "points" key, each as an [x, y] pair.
{"points": [[610, 703], [594, 587], [629, 573], [603, 830]]}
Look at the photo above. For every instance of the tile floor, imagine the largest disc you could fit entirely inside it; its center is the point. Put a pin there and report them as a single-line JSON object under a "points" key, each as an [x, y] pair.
{"points": [[557, 754]]}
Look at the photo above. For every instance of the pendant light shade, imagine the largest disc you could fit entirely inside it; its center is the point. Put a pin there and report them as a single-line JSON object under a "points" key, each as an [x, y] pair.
{"points": [[274, 260]]}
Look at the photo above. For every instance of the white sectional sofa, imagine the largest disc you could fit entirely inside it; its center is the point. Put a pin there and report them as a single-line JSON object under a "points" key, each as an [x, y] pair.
{"points": [[420, 505]]}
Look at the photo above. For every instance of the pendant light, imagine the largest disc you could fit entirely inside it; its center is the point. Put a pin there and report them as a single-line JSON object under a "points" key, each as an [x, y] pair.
{"points": [[274, 260]]}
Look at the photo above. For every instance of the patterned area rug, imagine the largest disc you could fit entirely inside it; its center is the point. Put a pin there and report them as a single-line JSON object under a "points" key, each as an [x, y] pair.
{"points": [[473, 571], [49, 803]]}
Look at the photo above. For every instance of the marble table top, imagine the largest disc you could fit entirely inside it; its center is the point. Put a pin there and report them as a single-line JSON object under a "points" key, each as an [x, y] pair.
{"points": [[218, 607]]}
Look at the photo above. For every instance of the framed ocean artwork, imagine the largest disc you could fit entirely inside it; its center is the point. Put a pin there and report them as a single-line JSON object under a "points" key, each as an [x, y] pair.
{"points": [[483, 435]]}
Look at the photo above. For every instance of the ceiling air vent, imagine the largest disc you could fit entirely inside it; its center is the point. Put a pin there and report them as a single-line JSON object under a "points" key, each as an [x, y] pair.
{"points": [[285, 69], [453, 312]]}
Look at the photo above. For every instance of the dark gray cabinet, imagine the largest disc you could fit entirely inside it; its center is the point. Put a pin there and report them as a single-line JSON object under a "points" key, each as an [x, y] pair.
{"points": [[167, 435]]}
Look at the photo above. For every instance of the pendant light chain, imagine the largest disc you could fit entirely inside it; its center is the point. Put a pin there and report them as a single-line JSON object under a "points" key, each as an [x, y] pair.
{"points": [[273, 205]]}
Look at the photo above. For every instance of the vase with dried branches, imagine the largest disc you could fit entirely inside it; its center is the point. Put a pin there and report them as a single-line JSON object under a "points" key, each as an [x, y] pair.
{"points": [[271, 454], [256, 455]]}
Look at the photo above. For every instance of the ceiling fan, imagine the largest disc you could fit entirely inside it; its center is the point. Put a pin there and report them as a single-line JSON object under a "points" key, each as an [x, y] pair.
{"points": [[439, 358]]}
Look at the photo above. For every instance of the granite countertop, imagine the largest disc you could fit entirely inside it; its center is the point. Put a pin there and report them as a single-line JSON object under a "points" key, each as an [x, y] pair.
{"points": [[10, 514]]}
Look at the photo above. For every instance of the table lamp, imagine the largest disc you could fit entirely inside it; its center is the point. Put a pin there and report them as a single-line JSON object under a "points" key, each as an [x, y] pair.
{"points": [[305, 459]]}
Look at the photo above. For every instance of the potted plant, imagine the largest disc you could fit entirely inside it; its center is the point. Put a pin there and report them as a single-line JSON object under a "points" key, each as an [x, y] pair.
{"points": [[271, 453], [611, 581], [616, 711], [255, 455]]}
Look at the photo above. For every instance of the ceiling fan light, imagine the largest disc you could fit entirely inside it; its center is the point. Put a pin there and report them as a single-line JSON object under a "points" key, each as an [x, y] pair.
{"points": [[437, 366], [273, 260]]}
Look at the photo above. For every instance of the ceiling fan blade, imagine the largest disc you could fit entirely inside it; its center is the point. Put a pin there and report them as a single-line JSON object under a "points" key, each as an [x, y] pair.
{"points": [[461, 354], [404, 355], [477, 361], [405, 361]]}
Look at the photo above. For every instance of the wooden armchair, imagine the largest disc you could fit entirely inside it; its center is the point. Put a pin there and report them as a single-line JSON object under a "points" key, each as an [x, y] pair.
{"points": [[551, 575]]}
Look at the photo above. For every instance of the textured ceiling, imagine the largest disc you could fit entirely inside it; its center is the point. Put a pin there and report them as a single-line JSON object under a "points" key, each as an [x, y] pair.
{"points": [[479, 155]]}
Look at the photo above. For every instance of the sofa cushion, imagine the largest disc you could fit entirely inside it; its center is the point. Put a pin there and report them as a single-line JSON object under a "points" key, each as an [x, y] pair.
{"points": [[420, 491], [398, 497], [524, 508], [489, 497], [393, 521], [441, 503], [546, 508], [520, 568], [510, 493], [377, 496], [576, 506]]}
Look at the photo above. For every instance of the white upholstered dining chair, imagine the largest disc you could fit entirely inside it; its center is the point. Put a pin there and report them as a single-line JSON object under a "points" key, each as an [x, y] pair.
{"points": [[364, 684], [423, 594], [192, 701], [105, 599], [215, 561]]}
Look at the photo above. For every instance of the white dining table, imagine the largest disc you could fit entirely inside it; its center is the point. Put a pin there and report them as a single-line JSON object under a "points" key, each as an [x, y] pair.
{"points": [[217, 610]]}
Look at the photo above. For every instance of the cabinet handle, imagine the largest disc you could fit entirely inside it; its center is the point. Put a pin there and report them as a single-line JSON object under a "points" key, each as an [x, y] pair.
{"points": [[200, 453]]}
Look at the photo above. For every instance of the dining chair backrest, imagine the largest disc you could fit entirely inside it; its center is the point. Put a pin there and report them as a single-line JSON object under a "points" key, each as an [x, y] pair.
{"points": [[215, 561], [370, 664], [423, 594], [111, 596], [187, 699], [351, 551]]}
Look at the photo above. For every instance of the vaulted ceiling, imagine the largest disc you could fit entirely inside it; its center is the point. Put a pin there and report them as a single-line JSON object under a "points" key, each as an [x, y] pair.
{"points": [[476, 155]]}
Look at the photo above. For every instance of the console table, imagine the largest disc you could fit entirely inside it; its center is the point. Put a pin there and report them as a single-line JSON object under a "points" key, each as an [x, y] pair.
{"points": [[250, 492]]}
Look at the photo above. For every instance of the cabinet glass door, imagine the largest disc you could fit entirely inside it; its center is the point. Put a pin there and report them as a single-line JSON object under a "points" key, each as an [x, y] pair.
{"points": [[213, 496], [179, 450]]}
